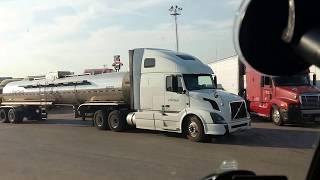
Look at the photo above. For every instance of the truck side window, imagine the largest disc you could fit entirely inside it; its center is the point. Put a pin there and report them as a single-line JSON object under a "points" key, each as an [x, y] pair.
{"points": [[267, 80], [179, 83], [169, 83], [174, 83], [149, 62]]}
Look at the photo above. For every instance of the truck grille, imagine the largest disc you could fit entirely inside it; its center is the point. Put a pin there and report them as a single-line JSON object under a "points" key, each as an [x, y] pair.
{"points": [[310, 101], [238, 110]]}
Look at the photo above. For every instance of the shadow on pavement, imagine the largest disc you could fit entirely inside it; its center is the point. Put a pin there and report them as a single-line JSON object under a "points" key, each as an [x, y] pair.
{"points": [[258, 137], [258, 119], [281, 138], [306, 124], [73, 122]]}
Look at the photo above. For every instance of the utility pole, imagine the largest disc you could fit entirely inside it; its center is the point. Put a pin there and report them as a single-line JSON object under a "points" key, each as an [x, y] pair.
{"points": [[175, 11]]}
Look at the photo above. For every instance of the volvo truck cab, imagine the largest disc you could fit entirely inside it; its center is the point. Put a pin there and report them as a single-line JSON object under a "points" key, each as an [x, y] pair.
{"points": [[178, 93]]}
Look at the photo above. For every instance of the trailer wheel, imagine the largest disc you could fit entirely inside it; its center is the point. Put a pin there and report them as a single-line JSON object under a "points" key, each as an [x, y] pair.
{"points": [[100, 120], [194, 130], [117, 121], [3, 116], [15, 116], [276, 116]]}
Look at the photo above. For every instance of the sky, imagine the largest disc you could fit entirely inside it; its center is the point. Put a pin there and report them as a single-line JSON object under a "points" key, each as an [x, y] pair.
{"points": [[40, 36]]}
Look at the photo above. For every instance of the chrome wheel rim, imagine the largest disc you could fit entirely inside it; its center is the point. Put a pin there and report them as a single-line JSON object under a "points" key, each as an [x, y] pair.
{"points": [[276, 116], [193, 129], [99, 121], [11, 116], [114, 121]]}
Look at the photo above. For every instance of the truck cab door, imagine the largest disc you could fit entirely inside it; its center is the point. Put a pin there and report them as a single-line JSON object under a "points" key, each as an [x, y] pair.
{"points": [[175, 103], [266, 89]]}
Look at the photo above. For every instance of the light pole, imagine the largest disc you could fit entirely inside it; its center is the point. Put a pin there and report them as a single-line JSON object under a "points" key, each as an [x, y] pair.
{"points": [[174, 11]]}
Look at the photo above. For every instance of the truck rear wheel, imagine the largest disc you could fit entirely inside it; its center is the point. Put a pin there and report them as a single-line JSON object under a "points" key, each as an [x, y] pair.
{"points": [[117, 121], [100, 120], [14, 116], [3, 116], [194, 130], [276, 116]]}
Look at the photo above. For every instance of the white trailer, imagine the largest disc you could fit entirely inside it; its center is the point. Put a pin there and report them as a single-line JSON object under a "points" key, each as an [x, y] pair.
{"points": [[163, 90], [315, 71], [231, 73]]}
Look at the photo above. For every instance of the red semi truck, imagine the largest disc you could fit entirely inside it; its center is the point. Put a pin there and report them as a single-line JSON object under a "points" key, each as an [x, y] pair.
{"points": [[283, 99]]}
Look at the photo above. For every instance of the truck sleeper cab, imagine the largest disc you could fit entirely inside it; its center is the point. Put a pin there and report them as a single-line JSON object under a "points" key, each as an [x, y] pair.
{"points": [[178, 94]]}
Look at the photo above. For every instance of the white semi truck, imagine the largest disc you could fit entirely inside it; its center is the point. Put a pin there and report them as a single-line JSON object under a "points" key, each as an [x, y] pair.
{"points": [[163, 90]]}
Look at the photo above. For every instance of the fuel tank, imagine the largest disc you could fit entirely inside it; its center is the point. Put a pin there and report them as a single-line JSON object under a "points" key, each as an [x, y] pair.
{"points": [[75, 90]]}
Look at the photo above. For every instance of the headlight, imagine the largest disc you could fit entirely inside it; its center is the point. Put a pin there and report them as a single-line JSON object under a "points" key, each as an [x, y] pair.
{"points": [[217, 119]]}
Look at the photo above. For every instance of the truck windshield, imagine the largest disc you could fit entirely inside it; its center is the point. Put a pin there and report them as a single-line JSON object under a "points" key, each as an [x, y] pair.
{"points": [[297, 80], [198, 81]]}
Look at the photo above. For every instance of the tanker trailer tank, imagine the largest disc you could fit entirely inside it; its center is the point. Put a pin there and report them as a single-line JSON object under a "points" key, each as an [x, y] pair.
{"points": [[76, 90]]}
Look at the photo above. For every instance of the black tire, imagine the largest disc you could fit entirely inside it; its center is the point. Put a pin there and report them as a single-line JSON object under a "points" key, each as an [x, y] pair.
{"points": [[3, 116], [117, 121], [276, 116], [100, 120], [14, 116], [194, 130]]}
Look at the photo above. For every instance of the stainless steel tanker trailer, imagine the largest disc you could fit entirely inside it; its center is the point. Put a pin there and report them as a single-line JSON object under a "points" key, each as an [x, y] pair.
{"points": [[163, 90]]}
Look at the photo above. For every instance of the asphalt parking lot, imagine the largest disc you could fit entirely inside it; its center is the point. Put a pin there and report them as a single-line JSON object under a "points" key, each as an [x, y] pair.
{"points": [[65, 148]]}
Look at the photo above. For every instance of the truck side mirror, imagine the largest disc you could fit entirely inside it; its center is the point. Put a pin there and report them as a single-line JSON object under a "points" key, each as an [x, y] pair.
{"points": [[215, 81], [181, 91], [314, 79]]}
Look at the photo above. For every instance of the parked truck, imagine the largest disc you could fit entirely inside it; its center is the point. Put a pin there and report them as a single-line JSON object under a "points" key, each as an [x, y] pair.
{"points": [[283, 99], [163, 90]]}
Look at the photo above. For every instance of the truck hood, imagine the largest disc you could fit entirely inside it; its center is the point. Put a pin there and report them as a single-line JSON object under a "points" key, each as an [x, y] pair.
{"points": [[215, 94], [299, 89]]}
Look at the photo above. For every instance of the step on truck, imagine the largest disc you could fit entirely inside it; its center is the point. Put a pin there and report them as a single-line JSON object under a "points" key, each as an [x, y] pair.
{"points": [[284, 99], [163, 90]]}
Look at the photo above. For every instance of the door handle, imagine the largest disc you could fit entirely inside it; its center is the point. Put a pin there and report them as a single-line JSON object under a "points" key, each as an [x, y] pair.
{"points": [[167, 106]]}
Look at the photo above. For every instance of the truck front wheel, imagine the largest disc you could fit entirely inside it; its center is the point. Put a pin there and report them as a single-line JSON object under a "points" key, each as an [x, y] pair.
{"points": [[194, 130], [3, 116], [100, 120], [276, 116], [117, 121]]}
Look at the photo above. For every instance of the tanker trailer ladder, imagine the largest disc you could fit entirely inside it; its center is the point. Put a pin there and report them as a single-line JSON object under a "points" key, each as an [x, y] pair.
{"points": [[43, 102]]}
